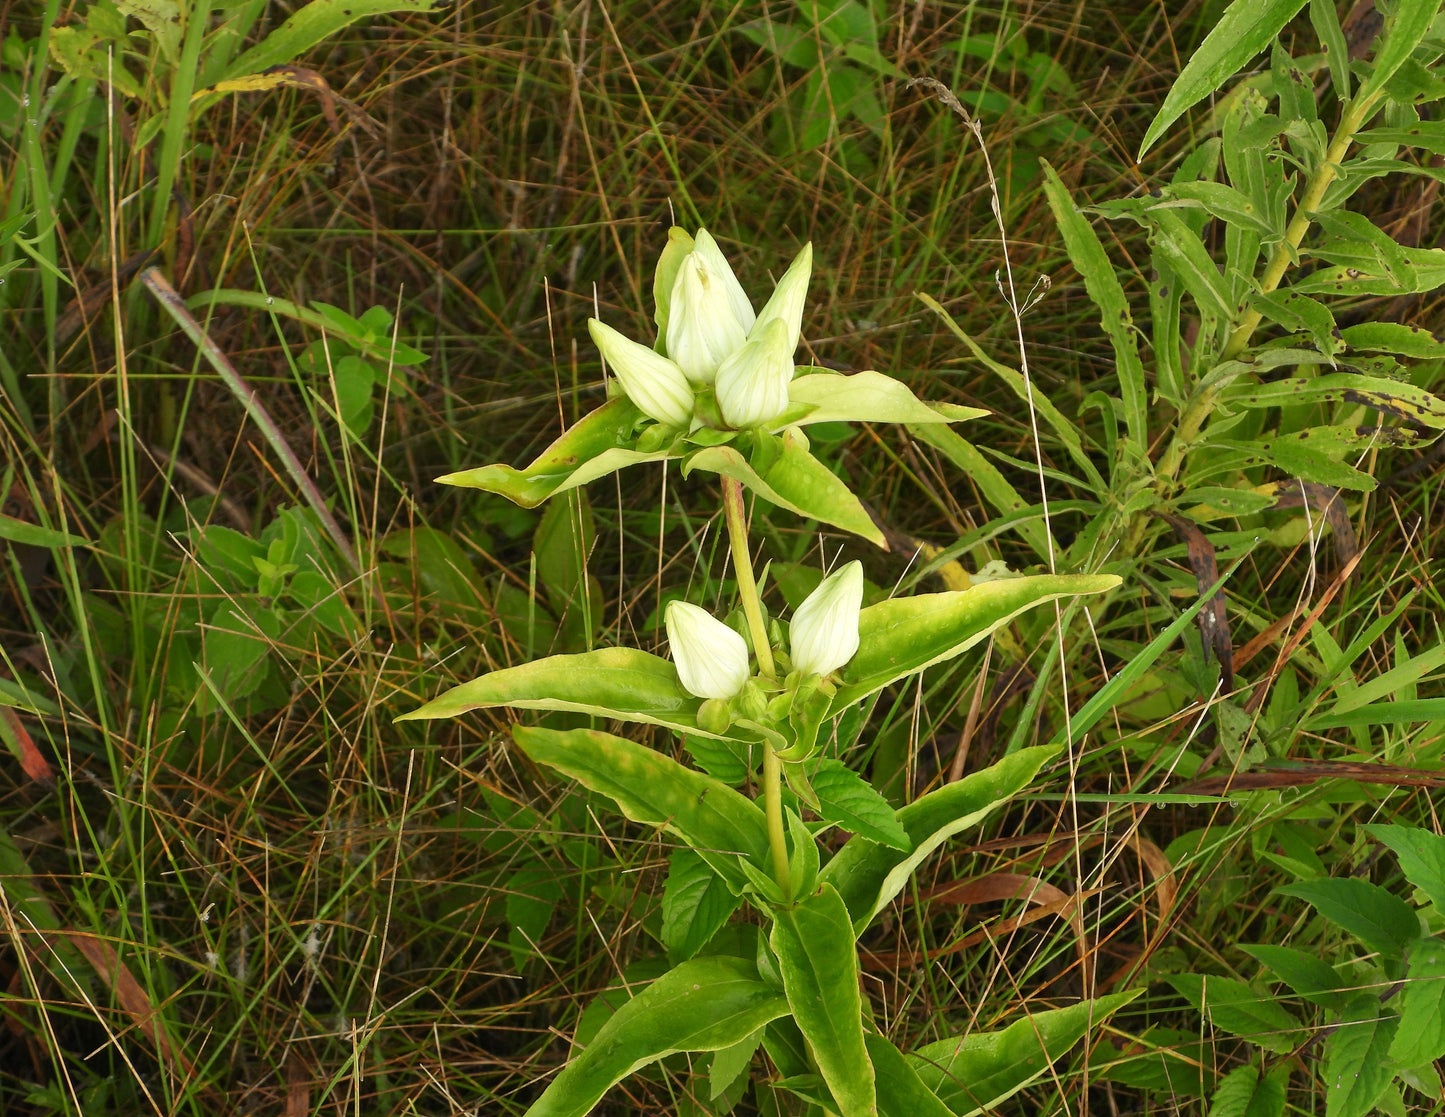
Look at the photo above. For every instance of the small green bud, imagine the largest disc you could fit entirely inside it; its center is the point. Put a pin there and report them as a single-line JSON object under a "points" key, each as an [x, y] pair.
{"points": [[713, 716]]}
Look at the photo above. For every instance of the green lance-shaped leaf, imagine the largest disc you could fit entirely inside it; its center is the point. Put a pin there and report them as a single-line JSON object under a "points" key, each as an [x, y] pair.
{"points": [[1246, 28], [707, 1004], [1409, 23], [311, 24], [1378, 918], [869, 397], [599, 443], [655, 790], [868, 875], [788, 476], [902, 636], [975, 1072], [1234, 1007], [901, 1093], [622, 683], [818, 960], [33, 535], [1393, 397], [1312, 978], [1102, 283], [1396, 337]]}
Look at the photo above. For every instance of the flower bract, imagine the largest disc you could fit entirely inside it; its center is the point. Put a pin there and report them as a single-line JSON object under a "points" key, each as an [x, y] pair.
{"points": [[824, 633], [711, 659]]}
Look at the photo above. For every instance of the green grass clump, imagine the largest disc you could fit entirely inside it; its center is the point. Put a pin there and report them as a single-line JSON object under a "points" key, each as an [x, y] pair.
{"points": [[228, 882]]}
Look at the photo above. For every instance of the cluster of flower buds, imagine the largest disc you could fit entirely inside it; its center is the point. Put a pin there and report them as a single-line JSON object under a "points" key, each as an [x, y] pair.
{"points": [[714, 339], [712, 659]]}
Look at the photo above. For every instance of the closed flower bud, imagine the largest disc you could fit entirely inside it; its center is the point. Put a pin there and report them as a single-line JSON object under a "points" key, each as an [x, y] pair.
{"points": [[709, 314], [651, 381], [786, 305], [752, 384], [824, 633], [711, 659]]}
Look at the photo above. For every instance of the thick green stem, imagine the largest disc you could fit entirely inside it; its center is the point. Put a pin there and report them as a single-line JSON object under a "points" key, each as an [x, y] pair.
{"points": [[1196, 414], [737, 522]]}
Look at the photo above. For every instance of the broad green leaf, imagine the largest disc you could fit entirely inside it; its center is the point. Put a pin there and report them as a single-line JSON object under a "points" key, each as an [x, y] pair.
{"points": [[708, 1004], [849, 801], [792, 479], [1243, 1093], [1223, 202], [991, 483], [1356, 1057], [655, 790], [1379, 919], [1426, 273], [818, 958], [869, 397], [1409, 23], [622, 683], [901, 1093], [1102, 283], [1300, 314], [1421, 1038], [1312, 978], [868, 875], [1246, 28], [1421, 854], [33, 535], [597, 444], [311, 24], [1390, 396], [1234, 1007], [731, 1063], [695, 903], [904, 635], [977, 1071]]}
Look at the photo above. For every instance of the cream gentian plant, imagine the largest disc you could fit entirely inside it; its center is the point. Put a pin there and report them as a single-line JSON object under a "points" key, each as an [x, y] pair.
{"points": [[719, 392]]}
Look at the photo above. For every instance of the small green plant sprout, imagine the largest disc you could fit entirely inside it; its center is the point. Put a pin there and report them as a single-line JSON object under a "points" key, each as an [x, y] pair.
{"points": [[767, 710]]}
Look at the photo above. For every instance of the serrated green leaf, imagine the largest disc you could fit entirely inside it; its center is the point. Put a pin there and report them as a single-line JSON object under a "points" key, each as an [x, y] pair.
{"points": [[868, 875], [977, 1071], [724, 827], [1242, 1093], [849, 801], [1421, 1037], [1422, 857], [1102, 283], [1234, 1007], [707, 1004], [1356, 1058], [696, 902], [1379, 919], [818, 959], [1311, 977], [1246, 28]]}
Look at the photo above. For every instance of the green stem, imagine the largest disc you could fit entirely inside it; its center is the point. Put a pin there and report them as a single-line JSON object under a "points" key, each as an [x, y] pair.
{"points": [[1197, 413], [737, 523]]}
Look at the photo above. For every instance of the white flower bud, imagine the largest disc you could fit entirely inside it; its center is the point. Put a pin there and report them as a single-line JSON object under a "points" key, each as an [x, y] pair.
{"points": [[752, 384], [786, 305], [711, 659], [650, 380], [824, 633], [709, 314]]}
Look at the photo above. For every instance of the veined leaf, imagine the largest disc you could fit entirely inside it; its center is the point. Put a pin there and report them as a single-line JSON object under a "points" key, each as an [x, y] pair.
{"points": [[818, 959], [901, 1093], [849, 801], [707, 1004], [1312, 978], [1102, 283], [1246, 28], [1234, 1007], [1379, 919], [868, 397], [1409, 23], [1297, 460], [723, 826], [901, 636], [977, 1071], [311, 24], [1393, 397], [696, 902], [1356, 1058], [1243, 1093], [1421, 1038], [1421, 855], [1395, 337], [868, 875], [1191, 262]]}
